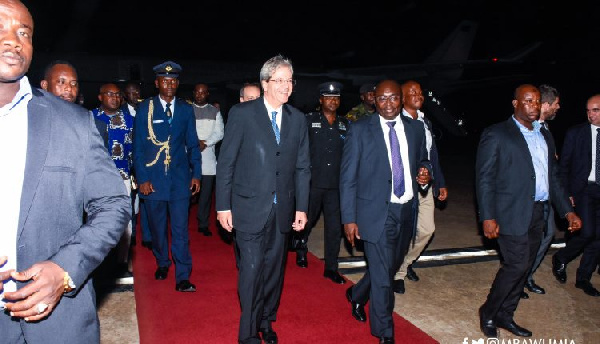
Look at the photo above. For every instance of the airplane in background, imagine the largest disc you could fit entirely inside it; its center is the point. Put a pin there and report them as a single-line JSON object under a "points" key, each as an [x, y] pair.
{"points": [[440, 74]]}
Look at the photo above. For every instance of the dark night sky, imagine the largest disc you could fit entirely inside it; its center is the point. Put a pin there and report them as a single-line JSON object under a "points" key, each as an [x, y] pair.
{"points": [[336, 34]]}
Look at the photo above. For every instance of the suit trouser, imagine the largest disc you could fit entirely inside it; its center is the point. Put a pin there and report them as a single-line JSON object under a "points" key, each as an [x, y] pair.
{"points": [[205, 200], [144, 225], [177, 210], [518, 254], [547, 237], [588, 238], [383, 260], [260, 277], [425, 229], [329, 201]]}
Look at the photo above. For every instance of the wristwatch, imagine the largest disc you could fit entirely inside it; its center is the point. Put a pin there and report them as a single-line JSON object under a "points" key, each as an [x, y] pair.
{"points": [[69, 285]]}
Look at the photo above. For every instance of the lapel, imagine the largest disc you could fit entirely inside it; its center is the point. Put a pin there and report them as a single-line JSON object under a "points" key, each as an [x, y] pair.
{"points": [[39, 125], [262, 119], [379, 141], [515, 132], [284, 131], [587, 145]]}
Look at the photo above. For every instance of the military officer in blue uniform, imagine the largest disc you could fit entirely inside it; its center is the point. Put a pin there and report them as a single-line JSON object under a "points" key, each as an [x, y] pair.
{"points": [[168, 168], [327, 132]]}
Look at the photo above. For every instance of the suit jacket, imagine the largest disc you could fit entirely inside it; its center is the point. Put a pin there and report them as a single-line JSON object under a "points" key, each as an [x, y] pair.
{"points": [[438, 177], [505, 178], [67, 172], [366, 175], [576, 159], [186, 161], [252, 167]]}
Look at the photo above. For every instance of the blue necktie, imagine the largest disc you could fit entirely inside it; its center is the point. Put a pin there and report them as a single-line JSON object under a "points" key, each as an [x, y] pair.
{"points": [[397, 166], [274, 124], [277, 137], [169, 113]]}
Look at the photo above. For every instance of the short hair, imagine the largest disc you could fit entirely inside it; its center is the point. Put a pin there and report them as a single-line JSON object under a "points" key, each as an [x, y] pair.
{"points": [[54, 63], [248, 84], [269, 68], [548, 94]]}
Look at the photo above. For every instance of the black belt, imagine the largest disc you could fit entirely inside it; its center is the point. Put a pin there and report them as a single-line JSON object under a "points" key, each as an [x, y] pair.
{"points": [[541, 202], [592, 183]]}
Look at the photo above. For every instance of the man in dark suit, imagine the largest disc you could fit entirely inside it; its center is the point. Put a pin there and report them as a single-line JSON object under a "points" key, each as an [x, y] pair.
{"points": [[57, 167], [384, 163], [263, 176], [580, 172], [168, 165], [516, 180]]}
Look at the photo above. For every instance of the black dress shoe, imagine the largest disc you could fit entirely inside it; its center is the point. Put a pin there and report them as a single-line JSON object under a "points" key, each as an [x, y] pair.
{"points": [[334, 276], [161, 273], [268, 335], [524, 295], [587, 288], [386, 340], [358, 310], [559, 270], [488, 326], [411, 274], [301, 260], [204, 231], [147, 244], [185, 286], [534, 288], [398, 286], [515, 329]]}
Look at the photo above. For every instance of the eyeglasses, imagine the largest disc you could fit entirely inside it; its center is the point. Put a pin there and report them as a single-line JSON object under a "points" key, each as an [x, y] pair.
{"points": [[383, 99], [283, 81], [112, 94]]}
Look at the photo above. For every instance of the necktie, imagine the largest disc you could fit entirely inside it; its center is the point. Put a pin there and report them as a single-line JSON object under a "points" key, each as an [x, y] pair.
{"points": [[598, 156], [277, 137], [397, 166], [274, 124], [169, 113]]}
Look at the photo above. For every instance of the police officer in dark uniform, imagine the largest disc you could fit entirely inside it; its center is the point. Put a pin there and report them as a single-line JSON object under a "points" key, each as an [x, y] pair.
{"points": [[327, 132]]}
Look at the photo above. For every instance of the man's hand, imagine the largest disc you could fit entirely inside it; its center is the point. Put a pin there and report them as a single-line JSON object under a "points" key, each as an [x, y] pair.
{"points": [[146, 188], [195, 186], [423, 177], [37, 299], [202, 144], [491, 229], [574, 222], [226, 220], [351, 231], [4, 275], [443, 194], [299, 221]]}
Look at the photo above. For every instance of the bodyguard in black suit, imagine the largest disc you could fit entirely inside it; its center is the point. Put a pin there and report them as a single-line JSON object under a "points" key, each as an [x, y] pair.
{"points": [[384, 163], [516, 180], [263, 176], [580, 172]]}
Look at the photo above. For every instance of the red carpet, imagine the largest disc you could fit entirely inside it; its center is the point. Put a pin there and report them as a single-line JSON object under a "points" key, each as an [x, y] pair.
{"points": [[312, 310]]}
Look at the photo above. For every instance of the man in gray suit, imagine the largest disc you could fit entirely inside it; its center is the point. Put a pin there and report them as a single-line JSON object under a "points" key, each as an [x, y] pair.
{"points": [[58, 166], [263, 176]]}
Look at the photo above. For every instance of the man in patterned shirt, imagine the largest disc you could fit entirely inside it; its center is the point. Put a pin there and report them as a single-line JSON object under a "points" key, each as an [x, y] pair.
{"points": [[119, 125]]}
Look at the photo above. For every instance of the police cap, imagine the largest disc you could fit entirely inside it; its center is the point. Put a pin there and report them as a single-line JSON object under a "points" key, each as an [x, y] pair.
{"points": [[330, 88], [168, 68], [369, 87]]}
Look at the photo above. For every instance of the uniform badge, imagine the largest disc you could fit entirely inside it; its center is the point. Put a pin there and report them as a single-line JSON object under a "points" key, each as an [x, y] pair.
{"points": [[316, 125], [342, 126]]}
